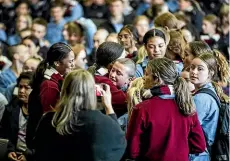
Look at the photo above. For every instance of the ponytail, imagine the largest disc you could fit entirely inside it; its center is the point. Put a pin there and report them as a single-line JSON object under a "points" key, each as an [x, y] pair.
{"points": [[39, 74], [92, 69], [222, 96], [222, 67], [183, 97]]}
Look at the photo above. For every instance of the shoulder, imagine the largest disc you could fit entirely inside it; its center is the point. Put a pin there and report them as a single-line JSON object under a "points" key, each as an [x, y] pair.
{"points": [[103, 79]]}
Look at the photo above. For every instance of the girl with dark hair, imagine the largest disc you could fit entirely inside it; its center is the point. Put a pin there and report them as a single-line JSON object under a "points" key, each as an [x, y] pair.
{"points": [[164, 127], [155, 43], [107, 53], [33, 44], [47, 83]]}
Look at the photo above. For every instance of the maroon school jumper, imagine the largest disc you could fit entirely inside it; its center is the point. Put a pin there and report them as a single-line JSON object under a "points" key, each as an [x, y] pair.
{"points": [[118, 96], [50, 92], [157, 131]]}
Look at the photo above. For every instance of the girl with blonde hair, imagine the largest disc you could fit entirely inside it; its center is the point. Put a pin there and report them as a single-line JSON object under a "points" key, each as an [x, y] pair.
{"points": [[77, 130], [175, 48], [167, 112], [80, 56]]}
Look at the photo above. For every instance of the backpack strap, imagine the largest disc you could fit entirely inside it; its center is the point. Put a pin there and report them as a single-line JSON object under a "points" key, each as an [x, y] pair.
{"points": [[211, 93]]}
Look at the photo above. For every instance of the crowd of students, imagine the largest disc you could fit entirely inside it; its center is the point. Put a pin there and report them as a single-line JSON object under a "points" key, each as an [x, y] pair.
{"points": [[114, 81]]}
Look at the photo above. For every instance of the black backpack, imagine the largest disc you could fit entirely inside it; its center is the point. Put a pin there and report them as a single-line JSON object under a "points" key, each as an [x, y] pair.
{"points": [[220, 148]]}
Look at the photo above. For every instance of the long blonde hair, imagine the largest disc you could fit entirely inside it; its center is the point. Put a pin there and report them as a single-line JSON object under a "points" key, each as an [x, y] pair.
{"points": [[77, 95], [141, 54], [135, 92]]}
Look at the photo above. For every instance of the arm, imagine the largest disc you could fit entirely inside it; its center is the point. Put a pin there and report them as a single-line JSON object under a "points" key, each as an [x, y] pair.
{"points": [[49, 94], [135, 129], [208, 113], [196, 138]]}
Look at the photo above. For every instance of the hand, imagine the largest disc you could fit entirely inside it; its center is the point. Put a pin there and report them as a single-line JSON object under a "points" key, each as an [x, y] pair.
{"points": [[12, 156], [21, 158], [107, 99]]}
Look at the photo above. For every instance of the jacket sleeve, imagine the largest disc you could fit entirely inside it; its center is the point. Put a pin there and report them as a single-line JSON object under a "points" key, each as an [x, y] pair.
{"points": [[49, 94], [135, 129], [196, 138]]}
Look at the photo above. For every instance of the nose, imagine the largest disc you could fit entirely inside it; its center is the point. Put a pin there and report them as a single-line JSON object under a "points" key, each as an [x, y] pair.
{"points": [[112, 74], [193, 71], [156, 48], [22, 90]]}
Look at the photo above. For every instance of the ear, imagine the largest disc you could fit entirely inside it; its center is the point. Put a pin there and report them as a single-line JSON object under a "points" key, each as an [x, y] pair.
{"points": [[131, 79], [56, 63], [166, 28], [16, 56], [211, 74]]}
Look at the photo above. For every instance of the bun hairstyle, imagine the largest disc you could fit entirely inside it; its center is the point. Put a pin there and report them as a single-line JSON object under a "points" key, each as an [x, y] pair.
{"points": [[160, 32]]}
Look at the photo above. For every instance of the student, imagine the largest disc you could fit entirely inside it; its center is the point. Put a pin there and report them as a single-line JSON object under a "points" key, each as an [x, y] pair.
{"points": [[30, 65], [98, 38], [142, 25], [210, 30], [22, 22], [14, 121], [121, 75], [128, 37], [47, 84], [203, 71], [76, 130], [18, 55], [116, 19], [194, 49], [155, 42], [107, 53], [55, 27], [80, 56], [39, 29], [175, 49], [164, 126], [33, 45]]}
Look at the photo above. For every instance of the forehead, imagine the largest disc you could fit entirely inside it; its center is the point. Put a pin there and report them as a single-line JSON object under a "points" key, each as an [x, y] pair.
{"points": [[38, 26], [156, 40], [124, 32], [199, 62], [27, 41], [24, 81], [82, 54], [120, 67], [31, 62], [117, 3]]}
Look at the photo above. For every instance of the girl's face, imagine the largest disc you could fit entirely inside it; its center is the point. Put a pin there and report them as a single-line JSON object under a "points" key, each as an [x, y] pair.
{"points": [[188, 57], [33, 50], [125, 39], [142, 27], [149, 82], [156, 47], [208, 27], [81, 60], [199, 73], [21, 23]]}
